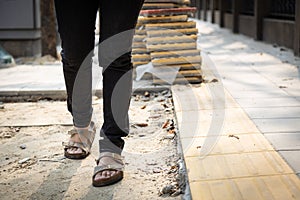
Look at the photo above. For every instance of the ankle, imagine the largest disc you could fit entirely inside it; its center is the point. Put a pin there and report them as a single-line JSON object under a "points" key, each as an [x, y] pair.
{"points": [[82, 128]]}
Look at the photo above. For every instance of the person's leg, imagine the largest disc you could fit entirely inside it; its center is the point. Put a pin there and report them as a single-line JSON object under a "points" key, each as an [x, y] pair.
{"points": [[117, 24], [76, 25]]}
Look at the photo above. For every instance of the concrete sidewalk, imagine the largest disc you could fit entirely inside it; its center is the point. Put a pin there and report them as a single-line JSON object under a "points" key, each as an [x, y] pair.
{"points": [[33, 81], [241, 136], [264, 80]]}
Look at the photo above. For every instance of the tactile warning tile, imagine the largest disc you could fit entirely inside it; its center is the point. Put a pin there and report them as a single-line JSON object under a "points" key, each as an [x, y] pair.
{"points": [[278, 187], [237, 165], [238, 162], [204, 122], [229, 144], [203, 97]]}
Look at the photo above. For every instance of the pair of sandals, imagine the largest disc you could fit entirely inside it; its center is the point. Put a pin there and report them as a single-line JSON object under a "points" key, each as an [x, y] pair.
{"points": [[114, 163]]}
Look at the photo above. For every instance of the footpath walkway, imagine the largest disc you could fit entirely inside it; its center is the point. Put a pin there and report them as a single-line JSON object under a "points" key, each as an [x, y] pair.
{"points": [[241, 135]]}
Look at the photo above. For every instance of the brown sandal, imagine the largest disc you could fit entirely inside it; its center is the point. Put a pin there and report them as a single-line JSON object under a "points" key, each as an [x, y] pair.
{"points": [[88, 135], [118, 167]]}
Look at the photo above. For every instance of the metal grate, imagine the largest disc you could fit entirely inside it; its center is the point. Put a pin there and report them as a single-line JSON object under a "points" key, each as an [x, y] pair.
{"points": [[283, 9], [247, 7], [216, 4], [228, 4]]}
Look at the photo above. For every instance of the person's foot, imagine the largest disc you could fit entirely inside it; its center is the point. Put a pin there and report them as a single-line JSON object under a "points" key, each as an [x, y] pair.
{"points": [[109, 169], [80, 142], [75, 150], [105, 174]]}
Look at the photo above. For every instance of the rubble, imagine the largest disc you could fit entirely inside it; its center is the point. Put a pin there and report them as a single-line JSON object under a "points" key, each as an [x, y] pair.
{"points": [[156, 156], [24, 160]]}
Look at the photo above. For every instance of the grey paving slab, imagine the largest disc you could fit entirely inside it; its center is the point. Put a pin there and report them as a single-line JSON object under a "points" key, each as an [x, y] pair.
{"points": [[284, 75], [237, 85], [247, 80], [268, 102], [292, 90], [274, 112], [242, 73], [280, 73], [35, 77], [258, 93], [292, 158], [39, 78], [278, 125], [47, 78], [284, 141], [232, 67], [259, 58], [237, 54]]}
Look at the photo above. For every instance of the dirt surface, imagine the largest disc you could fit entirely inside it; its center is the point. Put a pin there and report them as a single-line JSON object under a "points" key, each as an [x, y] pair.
{"points": [[33, 166]]}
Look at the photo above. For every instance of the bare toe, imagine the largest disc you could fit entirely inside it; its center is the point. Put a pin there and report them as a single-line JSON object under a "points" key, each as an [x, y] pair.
{"points": [[104, 175], [74, 150], [112, 169]]}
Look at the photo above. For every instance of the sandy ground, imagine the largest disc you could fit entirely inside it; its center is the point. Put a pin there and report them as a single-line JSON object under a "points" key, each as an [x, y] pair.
{"points": [[33, 165]]}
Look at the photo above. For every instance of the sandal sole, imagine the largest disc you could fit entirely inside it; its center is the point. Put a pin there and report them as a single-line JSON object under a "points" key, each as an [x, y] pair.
{"points": [[75, 156], [108, 182]]}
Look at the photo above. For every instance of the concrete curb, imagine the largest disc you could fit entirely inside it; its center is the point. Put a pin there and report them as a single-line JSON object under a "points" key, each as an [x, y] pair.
{"points": [[60, 95], [30, 96]]}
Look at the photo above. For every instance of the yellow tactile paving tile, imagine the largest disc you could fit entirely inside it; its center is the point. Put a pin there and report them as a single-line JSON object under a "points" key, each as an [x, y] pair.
{"points": [[234, 120], [237, 165], [241, 163], [237, 122], [229, 144], [278, 187], [214, 96], [200, 123], [204, 97]]}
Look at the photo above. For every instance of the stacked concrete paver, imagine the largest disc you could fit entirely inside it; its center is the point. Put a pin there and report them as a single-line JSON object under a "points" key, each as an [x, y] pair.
{"points": [[167, 38]]}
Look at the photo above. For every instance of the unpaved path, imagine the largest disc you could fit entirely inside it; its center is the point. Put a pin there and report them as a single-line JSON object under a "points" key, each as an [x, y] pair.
{"points": [[33, 166]]}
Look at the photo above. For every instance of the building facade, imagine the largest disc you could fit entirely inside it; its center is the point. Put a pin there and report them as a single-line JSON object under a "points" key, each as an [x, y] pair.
{"points": [[20, 27], [273, 21]]}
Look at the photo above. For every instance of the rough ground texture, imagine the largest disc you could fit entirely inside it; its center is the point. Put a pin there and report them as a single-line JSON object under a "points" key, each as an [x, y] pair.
{"points": [[33, 166]]}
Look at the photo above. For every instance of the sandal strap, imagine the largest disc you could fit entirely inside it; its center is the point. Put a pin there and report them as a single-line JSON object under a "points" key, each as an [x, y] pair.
{"points": [[91, 129], [80, 145], [89, 135], [72, 132], [119, 165], [108, 167], [116, 157]]}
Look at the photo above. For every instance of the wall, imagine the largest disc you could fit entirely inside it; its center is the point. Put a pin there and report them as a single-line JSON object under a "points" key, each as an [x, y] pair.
{"points": [[20, 27]]}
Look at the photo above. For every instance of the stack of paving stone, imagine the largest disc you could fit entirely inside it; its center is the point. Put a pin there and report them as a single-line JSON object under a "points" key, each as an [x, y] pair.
{"points": [[166, 38], [140, 55]]}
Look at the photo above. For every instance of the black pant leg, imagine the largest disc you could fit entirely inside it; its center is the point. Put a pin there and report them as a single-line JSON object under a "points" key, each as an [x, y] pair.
{"points": [[117, 23], [76, 25]]}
